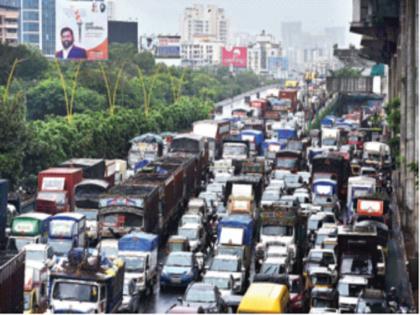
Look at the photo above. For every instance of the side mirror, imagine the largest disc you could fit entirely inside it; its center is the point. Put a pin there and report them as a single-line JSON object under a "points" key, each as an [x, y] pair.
{"points": [[332, 267], [179, 299]]}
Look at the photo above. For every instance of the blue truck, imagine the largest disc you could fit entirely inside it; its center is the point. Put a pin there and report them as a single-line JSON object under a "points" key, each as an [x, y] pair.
{"points": [[255, 139]]}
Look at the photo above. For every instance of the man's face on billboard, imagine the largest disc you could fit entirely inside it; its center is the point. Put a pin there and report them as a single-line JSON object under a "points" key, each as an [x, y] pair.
{"points": [[67, 39]]}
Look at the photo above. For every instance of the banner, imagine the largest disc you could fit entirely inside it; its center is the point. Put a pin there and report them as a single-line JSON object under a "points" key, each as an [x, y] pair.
{"points": [[81, 30], [236, 57]]}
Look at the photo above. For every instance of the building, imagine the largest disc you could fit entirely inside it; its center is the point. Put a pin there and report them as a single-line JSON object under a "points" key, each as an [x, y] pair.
{"points": [[123, 32], [264, 48], [37, 24], [291, 33], [168, 50], [209, 21], [389, 30], [199, 53], [9, 22], [336, 35]]}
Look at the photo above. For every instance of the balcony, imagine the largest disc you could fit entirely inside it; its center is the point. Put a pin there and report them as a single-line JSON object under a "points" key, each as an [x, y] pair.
{"points": [[375, 17]]}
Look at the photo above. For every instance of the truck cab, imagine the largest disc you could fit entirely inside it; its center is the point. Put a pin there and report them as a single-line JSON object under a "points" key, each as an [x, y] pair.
{"points": [[97, 287], [235, 150], [144, 149], [139, 251], [255, 139], [330, 138], [29, 228], [67, 231]]}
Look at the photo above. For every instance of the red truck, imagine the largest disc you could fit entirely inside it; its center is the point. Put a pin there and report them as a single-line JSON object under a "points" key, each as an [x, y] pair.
{"points": [[260, 107], [290, 94], [56, 189]]}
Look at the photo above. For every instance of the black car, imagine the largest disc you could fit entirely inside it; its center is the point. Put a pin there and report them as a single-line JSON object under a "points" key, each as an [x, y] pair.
{"points": [[204, 295]]}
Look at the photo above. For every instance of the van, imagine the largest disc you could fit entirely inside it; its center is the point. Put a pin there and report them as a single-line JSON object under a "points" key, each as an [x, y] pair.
{"points": [[265, 298]]}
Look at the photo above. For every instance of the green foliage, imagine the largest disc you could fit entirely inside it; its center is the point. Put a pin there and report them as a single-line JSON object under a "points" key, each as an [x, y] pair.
{"points": [[346, 72], [47, 97], [13, 136], [393, 118]]}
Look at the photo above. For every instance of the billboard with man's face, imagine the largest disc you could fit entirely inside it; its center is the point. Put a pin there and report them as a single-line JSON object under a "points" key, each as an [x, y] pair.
{"points": [[236, 57], [81, 29]]}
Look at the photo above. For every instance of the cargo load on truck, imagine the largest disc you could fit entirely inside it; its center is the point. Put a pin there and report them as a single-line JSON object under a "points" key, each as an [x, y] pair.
{"points": [[215, 131], [144, 149], [92, 168]]}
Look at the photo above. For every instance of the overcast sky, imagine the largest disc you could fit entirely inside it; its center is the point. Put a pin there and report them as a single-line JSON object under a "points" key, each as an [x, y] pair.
{"points": [[251, 16]]}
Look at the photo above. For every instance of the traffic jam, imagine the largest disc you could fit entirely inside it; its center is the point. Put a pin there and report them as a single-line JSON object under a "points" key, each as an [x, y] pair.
{"points": [[252, 213]]}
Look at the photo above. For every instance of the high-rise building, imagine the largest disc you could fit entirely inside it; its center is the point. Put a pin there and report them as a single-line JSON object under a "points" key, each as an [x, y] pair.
{"points": [[199, 53], [37, 24], [200, 20], [263, 50], [9, 22], [291, 33], [336, 35]]}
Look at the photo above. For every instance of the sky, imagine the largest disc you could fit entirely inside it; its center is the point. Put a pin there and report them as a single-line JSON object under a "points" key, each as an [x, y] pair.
{"points": [[251, 16]]}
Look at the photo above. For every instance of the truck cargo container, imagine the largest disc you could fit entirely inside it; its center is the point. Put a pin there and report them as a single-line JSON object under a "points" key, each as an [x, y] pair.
{"points": [[129, 207], [245, 185], [4, 189], [92, 168], [290, 94], [215, 131], [12, 277], [259, 106], [255, 139], [56, 189]]}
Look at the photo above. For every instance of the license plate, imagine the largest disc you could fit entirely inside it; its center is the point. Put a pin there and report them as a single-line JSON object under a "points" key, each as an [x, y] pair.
{"points": [[176, 280]]}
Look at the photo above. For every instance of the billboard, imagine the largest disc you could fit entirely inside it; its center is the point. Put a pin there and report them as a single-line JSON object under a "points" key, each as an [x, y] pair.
{"points": [[81, 30], [148, 44], [236, 57], [168, 46], [276, 63], [123, 32]]}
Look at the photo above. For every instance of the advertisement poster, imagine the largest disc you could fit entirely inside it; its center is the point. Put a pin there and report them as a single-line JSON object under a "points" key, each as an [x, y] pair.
{"points": [[236, 57], [81, 30]]}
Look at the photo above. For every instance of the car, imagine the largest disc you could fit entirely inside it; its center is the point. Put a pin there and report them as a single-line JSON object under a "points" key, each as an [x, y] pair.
{"points": [[371, 301], [222, 177], [315, 221], [319, 258], [273, 266], [306, 176], [180, 269], [293, 181], [289, 200], [230, 265], [269, 197], [196, 235], [278, 184], [217, 188], [40, 254], [349, 289], [302, 197], [181, 309], [280, 174], [204, 295], [210, 197], [194, 218], [327, 230], [223, 281]]}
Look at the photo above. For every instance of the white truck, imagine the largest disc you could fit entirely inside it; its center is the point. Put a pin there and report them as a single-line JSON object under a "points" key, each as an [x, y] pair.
{"points": [[140, 252], [376, 154], [330, 138]]}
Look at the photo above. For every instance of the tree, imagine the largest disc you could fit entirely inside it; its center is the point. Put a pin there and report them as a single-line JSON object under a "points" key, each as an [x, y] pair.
{"points": [[13, 137]]}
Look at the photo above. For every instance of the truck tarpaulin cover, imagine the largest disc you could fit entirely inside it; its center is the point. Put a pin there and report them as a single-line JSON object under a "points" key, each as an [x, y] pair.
{"points": [[143, 242], [373, 208], [287, 133], [241, 222], [237, 57], [81, 30]]}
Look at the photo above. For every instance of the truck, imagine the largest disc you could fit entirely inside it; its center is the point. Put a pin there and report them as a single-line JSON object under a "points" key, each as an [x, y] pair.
{"points": [[255, 139], [249, 185], [96, 286], [56, 189], [191, 145], [359, 186], [331, 166], [92, 168], [271, 147], [237, 151], [140, 254], [87, 194], [235, 235], [283, 133], [66, 231], [377, 154], [284, 226], [128, 207], [259, 106], [4, 188], [29, 228], [288, 160], [12, 276], [330, 138], [144, 149], [290, 94], [215, 131]]}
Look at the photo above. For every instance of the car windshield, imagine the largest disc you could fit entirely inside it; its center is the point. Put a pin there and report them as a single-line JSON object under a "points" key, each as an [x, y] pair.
{"points": [[190, 233], [78, 292], [280, 175], [61, 247], [357, 266], [234, 150], [286, 163], [200, 295], [313, 224], [291, 179], [190, 219], [179, 260], [221, 283], [347, 289], [321, 303], [295, 286], [321, 279], [230, 265], [324, 258], [320, 238], [35, 255], [329, 141], [272, 269], [132, 263], [233, 250], [277, 230], [62, 228]]}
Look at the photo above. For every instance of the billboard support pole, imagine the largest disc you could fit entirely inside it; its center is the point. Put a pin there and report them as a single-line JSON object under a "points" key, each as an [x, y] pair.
{"points": [[147, 92], [111, 93]]}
